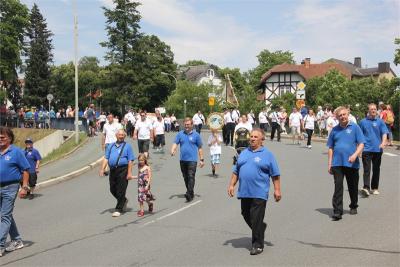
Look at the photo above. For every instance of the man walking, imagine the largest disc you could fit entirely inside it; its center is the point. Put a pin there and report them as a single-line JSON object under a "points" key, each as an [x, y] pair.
{"points": [[375, 131], [345, 144], [144, 134], [13, 168], [119, 156], [255, 166], [276, 126], [33, 156], [230, 127], [190, 150], [198, 121], [110, 130]]}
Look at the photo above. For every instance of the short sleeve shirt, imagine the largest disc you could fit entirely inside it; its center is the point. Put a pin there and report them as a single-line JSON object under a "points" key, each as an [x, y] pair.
{"points": [[189, 145], [110, 131], [344, 141], [295, 119], [373, 130], [254, 169], [143, 129], [32, 156], [12, 164], [113, 151]]}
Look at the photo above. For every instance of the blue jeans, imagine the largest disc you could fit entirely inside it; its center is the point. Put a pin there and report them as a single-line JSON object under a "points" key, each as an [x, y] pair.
{"points": [[8, 194]]}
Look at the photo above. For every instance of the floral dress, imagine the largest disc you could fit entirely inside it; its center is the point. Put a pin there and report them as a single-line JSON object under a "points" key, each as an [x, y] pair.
{"points": [[143, 180]]}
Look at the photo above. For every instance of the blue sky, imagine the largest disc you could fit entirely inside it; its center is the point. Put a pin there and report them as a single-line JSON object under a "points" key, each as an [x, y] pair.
{"points": [[231, 33]]}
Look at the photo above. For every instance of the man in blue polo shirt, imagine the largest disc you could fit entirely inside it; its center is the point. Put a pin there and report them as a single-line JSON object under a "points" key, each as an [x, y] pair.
{"points": [[13, 167], [119, 157], [254, 167], [190, 149], [374, 130], [33, 157], [345, 144]]}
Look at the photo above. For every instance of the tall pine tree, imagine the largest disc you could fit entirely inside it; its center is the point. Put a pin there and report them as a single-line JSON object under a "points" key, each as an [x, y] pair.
{"points": [[13, 22], [39, 58]]}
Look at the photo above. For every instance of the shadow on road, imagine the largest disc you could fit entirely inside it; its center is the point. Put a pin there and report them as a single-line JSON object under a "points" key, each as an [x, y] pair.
{"points": [[316, 245], [244, 242], [181, 196], [329, 211]]}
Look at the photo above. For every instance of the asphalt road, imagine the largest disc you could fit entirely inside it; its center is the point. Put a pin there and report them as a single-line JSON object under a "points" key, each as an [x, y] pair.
{"points": [[71, 224]]}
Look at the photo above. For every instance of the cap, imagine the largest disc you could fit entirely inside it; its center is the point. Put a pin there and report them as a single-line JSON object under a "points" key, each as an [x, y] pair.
{"points": [[28, 140]]}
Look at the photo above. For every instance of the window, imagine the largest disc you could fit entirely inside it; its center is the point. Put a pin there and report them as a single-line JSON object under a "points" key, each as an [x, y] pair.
{"points": [[210, 74], [284, 89]]}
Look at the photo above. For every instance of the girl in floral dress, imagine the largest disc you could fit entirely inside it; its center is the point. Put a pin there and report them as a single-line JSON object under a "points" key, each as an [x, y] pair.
{"points": [[144, 180]]}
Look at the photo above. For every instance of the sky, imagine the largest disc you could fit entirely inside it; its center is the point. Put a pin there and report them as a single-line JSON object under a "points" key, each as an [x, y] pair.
{"points": [[231, 33]]}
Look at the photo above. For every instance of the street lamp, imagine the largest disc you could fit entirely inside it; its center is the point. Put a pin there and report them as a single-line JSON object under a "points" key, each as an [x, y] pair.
{"points": [[76, 74], [168, 74], [184, 109]]}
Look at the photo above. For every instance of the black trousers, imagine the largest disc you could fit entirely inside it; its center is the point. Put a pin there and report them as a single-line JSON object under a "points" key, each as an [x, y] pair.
{"points": [[224, 133], [253, 212], [374, 158], [276, 128], [352, 184], [230, 128], [188, 169], [198, 127], [118, 185], [309, 135]]}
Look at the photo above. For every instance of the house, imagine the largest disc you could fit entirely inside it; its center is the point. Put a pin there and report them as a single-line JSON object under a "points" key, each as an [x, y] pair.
{"points": [[383, 69], [284, 78], [201, 74]]}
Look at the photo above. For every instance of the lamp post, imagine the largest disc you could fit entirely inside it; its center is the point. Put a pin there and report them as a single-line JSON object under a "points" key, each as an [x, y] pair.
{"points": [[169, 74], [76, 74], [184, 109]]}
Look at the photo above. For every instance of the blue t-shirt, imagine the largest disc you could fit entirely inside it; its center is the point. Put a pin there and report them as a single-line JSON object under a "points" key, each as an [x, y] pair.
{"points": [[12, 164], [190, 143], [112, 153], [32, 156], [344, 141], [254, 169], [373, 130]]}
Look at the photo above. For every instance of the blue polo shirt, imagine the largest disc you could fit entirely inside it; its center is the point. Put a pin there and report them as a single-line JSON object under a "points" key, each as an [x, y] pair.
{"points": [[373, 130], [112, 153], [32, 156], [12, 164], [344, 141], [190, 143], [254, 169]]}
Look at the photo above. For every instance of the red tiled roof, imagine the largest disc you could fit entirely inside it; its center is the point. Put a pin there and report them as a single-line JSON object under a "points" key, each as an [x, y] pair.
{"points": [[313, 70]]}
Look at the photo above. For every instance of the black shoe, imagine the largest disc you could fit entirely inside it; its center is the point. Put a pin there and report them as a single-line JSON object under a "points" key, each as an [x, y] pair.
{"points": [[353, 211], [336, 217], [213, 172], [256, 251]]}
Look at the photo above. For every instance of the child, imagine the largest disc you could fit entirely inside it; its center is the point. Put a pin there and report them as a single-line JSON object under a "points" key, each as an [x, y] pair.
{"points": [[214, 142], [144, 179]]}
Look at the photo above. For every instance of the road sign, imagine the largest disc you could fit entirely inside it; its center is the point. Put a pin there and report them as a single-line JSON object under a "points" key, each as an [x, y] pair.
{"points": [[50, 97], [160, 109], [211, 94], [301, 94], [211, 101], [301, 85], [300, 103]]}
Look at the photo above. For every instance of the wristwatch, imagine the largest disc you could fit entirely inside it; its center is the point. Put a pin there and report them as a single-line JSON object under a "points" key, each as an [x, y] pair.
{"points": [[26, 188], [202, 160]]}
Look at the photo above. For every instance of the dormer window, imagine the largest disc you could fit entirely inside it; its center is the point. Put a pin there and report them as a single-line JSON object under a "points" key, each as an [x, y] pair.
{"points": [[210, 74]]}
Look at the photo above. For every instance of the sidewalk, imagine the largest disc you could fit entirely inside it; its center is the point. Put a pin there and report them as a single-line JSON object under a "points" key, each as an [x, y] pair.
{"points": [[83, 157]]}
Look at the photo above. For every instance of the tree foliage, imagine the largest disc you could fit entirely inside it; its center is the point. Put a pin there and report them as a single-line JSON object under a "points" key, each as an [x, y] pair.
{"points": [[13, 23], [39, 57], [397, 52]]}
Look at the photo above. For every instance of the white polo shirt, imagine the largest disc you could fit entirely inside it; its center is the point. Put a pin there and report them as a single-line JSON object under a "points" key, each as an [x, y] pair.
{"points": [[295, 119], [110, 131], [143, 129], [159, 127], [262, 117]]}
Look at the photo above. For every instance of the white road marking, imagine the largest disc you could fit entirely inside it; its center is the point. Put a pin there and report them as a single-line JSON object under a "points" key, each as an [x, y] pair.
{"points": [[171, 213], [390, 154]]}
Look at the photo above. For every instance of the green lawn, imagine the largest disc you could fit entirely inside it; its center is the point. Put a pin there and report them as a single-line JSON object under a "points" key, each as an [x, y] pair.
{"points": [[35, 134]]}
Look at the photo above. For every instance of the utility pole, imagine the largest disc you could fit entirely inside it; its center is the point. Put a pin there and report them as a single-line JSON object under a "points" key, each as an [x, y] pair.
{"points": [[76, 75]]}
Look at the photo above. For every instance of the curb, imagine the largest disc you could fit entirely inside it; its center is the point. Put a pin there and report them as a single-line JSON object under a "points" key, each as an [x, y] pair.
{"points": [[69, 176]]}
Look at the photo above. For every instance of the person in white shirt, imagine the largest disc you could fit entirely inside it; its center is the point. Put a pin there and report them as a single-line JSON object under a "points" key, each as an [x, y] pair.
{"points": [[214, 142], [167, 122], [275, 118], [198, 121], [102, 120], [263, 120], [159, 132], [251, 118], [235, 115], [331, 122], [173, 121], [308, 125], [243, 123], [130, 122], [110, 130], [144, 134], [321, 121], [230, 127], [295, 119]]}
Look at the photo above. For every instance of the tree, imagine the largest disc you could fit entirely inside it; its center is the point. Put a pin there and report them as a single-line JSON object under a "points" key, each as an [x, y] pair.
{"points": [[14, 20], [194, 62], [268, 60], [288, 101], [39, 58], [62, 84], [89, 63], [397, 52], [238, 80], [122, 30]]}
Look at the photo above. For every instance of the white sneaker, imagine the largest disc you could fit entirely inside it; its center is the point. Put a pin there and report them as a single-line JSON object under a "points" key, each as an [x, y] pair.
{"points": [[365, 192], [116, 214], [2, 251], [309, 147], [14, 245], [375, 192]]}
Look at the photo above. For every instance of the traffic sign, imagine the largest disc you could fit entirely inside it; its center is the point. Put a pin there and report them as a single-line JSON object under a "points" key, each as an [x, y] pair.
{"points": [[301, 85], [211, 101], [300, 103], [301, 94], [50, 97]]}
